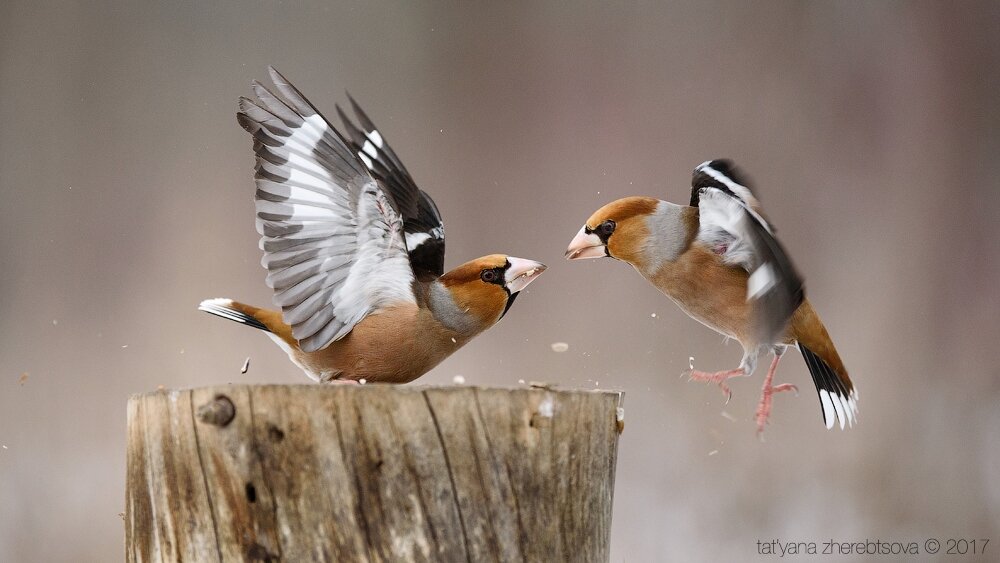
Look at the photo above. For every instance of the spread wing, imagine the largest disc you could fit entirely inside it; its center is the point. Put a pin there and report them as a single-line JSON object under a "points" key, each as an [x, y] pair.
{"points": [[332, 238], [421, 219], [732, 225]]}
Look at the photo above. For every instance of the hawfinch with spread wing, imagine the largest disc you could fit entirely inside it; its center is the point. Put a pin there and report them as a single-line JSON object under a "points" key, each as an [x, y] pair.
{"points": [[355, 251]]}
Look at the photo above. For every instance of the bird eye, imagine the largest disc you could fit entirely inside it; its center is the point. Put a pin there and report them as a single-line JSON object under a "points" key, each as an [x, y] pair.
{"points": [[607, 228], [489, 276]]}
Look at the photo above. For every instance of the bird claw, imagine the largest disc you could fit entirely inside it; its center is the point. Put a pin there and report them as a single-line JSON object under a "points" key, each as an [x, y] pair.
{"points": [[719, 378], [785, 387], [764, 408]]}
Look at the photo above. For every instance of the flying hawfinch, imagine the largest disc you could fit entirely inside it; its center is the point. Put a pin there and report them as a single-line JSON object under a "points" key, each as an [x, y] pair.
{"points": [[355, 251], [719, 261]]}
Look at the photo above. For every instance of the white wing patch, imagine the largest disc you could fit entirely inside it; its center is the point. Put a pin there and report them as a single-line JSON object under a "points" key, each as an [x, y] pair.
{"points": [[723, 228], [332, 239], [741, 191], [414, 240], [761, 281]]}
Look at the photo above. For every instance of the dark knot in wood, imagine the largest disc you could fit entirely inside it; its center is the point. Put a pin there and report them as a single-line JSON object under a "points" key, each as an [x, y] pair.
{"points": [[219, 411], [370, 473]]}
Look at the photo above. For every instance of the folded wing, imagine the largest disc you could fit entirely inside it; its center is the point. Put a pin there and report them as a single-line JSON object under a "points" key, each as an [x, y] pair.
{"points": [[732, 225]]}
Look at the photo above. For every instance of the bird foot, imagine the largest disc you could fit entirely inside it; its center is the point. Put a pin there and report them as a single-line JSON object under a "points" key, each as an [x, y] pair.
{"points": [[719, 378], [764, 407]]}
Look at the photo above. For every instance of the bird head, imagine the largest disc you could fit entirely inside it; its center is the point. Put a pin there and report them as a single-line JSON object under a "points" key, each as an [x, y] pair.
{"points": [[617, 230], [486, 287]]}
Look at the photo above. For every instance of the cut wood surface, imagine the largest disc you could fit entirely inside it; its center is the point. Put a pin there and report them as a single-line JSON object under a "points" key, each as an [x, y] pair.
{"points": [[370, 473]]}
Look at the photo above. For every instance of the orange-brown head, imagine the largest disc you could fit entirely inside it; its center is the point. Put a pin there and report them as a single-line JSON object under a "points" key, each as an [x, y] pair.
{"points": [[482, 290], [618, 230]]}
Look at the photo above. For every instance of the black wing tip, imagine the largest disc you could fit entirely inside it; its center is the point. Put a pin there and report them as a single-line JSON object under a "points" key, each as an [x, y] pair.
{"points": [[356, 136], [705, 175], [728, 168], [363, 118]]}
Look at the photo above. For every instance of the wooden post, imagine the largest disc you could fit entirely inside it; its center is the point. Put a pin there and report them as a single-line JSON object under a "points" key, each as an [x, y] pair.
{"points": [[370, 473]]}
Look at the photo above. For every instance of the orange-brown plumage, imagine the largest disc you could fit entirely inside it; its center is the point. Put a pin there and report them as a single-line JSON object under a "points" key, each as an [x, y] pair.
{"points": [[485, 300], [394, 345], [355, 251], [719, 261], [807, 329], [399, 343]]}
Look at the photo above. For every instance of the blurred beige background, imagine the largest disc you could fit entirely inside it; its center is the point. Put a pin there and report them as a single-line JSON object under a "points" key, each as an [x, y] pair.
{"points": [[871, 132]]}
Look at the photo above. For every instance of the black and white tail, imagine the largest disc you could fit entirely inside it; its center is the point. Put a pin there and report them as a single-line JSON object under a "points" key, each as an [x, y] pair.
{"points": [[226, 309], [837, 395]]}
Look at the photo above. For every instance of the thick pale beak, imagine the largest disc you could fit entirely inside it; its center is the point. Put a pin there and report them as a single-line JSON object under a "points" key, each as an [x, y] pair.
{"points": [[585, 245], [521, 272]]}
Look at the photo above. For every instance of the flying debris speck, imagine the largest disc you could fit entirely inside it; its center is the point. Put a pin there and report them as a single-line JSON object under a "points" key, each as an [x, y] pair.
{"points": [[24, 378], [713, 452], [453, 340], [246, 365], [520, 382], [458, 380], [653, 315], [560, 346], [124, 345], [362, 381], [55, 322], [728, 416]]}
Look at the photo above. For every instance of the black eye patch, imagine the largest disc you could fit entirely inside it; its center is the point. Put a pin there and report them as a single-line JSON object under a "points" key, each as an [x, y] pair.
{"points": [[493, 275], [603, 231]]}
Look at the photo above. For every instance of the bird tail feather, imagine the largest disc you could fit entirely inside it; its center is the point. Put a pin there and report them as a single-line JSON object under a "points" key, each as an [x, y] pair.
{"points": [[837, 395], [234, 311]]}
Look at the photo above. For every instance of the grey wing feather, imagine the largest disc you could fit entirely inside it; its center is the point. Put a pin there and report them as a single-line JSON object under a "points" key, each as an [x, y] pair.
{"points": [[730, 223], [422, 221], [333, 242]]}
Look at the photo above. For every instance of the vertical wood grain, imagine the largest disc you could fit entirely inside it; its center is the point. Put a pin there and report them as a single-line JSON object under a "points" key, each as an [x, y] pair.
{"points": [[370, 473]]}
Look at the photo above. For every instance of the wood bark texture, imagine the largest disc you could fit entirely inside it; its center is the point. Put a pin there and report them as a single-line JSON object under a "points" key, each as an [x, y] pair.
{"points": [[370, 473]]}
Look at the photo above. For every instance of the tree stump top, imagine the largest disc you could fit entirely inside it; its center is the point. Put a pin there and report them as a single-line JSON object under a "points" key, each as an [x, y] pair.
{"points": [[370, 473]]}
